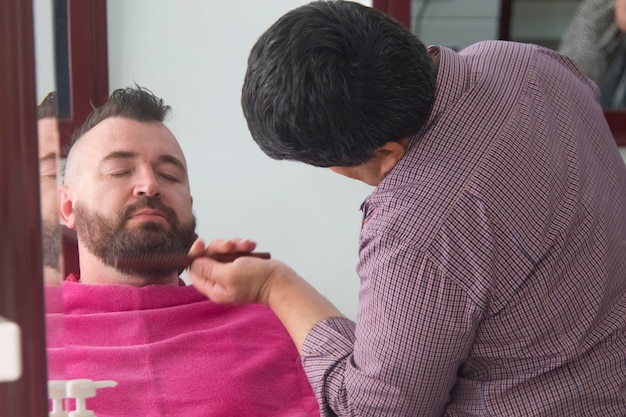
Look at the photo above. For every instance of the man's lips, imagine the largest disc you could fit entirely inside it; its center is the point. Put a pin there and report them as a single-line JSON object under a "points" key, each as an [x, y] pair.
{"points": [[148, 214]]}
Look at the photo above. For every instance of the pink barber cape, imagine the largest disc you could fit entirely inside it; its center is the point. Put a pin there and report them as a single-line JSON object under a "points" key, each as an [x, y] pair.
{"points": [[174, 353]]}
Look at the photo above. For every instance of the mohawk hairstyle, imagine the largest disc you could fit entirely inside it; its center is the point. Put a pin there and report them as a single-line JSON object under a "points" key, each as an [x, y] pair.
{"points": [[136, 103]]}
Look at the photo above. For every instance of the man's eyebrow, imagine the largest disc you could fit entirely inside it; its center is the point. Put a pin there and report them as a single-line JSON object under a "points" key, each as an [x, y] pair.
{"points": [[169, 159], [49, 156], [119, 155]]}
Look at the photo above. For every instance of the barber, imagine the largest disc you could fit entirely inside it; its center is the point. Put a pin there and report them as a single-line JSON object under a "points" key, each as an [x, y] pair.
{"points": [[492, 255]]}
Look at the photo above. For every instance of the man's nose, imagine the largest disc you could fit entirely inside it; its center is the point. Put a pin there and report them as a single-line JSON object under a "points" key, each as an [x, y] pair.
{"points": [[146, 184]]}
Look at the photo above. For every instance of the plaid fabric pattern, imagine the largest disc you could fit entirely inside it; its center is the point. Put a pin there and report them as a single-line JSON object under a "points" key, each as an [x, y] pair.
{"points": [[493, 256]]}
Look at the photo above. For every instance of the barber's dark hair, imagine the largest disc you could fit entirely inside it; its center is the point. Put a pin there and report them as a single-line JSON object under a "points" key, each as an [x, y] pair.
{"points": [[136, 103], [48, 106], [331, 81]]}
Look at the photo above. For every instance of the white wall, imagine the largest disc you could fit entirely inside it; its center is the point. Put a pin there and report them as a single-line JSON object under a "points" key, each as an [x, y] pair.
{"points": [[193, 54]]}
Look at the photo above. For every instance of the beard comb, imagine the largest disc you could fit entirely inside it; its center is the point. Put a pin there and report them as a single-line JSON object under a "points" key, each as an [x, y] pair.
{"points": [[178, 262]]}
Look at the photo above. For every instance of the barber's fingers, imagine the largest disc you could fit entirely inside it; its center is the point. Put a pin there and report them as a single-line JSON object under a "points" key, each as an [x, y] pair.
{"points": [[198, 248], [231, 245], [237, 282], [203, 273]]}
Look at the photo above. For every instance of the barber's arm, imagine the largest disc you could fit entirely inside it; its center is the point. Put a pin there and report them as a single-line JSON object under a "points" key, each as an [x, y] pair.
{"points": [[412, 335], [250, 280]]}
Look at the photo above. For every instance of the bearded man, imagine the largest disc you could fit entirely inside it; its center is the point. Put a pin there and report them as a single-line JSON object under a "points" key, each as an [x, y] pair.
{"points": [[172, 351], [127, 195]]}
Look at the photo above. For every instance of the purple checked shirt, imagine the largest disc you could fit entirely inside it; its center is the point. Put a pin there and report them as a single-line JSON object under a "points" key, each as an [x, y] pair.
{"points": [[492, 257]]}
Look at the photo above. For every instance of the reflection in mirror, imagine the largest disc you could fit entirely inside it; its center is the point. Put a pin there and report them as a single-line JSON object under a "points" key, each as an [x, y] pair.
{"points": [[597, 45], [48, 138], [541, 22], [584, 30], [455, 23], [49, 144], [460, 23]]}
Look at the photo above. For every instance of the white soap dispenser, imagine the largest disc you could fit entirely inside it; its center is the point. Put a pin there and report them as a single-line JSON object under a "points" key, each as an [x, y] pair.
{"points": [[56, 393], [81, 389]]}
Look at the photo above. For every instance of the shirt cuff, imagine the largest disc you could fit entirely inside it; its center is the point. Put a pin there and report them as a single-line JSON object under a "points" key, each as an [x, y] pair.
{"points": [[324, 354]]}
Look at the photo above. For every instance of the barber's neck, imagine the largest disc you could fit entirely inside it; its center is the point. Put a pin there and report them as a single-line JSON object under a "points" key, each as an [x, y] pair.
{"points": [[94, 271]]}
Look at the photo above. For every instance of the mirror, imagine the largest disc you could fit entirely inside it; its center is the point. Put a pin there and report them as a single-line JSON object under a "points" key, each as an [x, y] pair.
{"points": [[454, 23], [457, 24], [207, 120], [562, 25], [556, 24], [48, 139], [540, 22], [586, 32], [207, 116]]}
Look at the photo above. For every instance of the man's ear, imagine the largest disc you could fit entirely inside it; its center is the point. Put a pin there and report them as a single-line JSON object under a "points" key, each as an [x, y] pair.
{"points": [[388, 155], [66, 207]]}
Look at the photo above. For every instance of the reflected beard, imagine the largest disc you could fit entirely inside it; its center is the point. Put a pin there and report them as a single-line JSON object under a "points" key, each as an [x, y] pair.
{"points": [[51, 242], [110, 240]]}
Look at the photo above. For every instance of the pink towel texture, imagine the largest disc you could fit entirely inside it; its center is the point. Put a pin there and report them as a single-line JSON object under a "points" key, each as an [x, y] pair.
{"points": [[174, 353]]}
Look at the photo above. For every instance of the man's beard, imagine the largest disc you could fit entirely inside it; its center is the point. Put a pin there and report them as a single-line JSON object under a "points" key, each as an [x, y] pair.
{"points": [[110, 240], [51, 242]]}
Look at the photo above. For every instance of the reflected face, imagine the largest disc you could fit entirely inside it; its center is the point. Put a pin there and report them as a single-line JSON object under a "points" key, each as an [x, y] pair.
{"points": [[127, 192], [48, 138]]}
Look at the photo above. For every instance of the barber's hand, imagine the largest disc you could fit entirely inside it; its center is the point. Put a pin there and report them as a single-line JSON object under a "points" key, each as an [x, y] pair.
{"points": [[245, 280], [248, 280]]}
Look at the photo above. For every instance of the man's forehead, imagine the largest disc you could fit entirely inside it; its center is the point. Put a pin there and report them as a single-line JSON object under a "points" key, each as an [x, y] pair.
{"points": [[119, 135]]}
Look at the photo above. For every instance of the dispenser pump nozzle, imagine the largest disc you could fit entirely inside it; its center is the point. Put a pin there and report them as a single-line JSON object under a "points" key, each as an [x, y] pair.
{"points": [[56, 392], [80, 389]]}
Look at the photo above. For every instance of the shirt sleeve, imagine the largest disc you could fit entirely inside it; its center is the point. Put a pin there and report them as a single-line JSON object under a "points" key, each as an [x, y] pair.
{"points": [[401, 357]]}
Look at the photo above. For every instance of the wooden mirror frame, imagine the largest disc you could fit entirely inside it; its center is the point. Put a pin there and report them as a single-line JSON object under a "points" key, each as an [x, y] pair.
{"points": [[83, 76], [401, 11], [21, 269]]}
